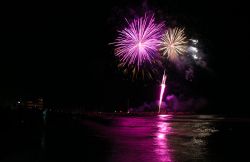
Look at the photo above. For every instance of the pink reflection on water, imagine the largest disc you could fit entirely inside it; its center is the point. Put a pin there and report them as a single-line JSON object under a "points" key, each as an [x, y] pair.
{"points": [[161, 136], [162, 149]]}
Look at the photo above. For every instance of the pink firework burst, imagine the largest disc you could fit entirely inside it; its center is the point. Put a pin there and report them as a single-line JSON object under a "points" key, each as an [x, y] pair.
{"points": [[138, 43]]}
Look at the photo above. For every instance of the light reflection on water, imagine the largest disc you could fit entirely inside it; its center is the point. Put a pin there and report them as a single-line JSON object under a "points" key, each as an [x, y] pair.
{"points": [[163, 153], [162, 138]]}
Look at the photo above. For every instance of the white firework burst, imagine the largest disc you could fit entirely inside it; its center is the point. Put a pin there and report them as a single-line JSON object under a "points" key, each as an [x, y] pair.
{"points": [[173, 43]]}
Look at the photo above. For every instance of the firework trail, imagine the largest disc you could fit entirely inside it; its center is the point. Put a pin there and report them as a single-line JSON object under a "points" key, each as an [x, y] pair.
{"points": [[138, 43], [163, 85], [173, 43], [148, 71]]}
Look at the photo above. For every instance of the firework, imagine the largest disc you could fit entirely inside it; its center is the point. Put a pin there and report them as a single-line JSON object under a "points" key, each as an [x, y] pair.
{"points": [[138, 43], [163, 85], [173, 43]]}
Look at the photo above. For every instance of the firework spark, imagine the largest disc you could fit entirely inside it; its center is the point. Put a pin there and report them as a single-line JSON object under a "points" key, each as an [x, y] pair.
{"points": [[138, 43], [163, 85], [173, 43]]}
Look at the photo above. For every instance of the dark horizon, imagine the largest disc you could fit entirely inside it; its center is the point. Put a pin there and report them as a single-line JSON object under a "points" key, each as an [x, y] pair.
{"points": [[61, 51]]}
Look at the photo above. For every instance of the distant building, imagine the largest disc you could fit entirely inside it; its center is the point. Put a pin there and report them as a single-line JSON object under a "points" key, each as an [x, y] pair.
{"points": [[36, 103]]}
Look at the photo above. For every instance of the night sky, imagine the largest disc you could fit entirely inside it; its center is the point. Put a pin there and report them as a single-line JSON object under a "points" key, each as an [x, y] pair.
{"points": [[61, 51]]}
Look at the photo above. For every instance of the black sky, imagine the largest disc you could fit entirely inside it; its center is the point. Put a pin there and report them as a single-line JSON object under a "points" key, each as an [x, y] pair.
{"points": [[60, 50]]}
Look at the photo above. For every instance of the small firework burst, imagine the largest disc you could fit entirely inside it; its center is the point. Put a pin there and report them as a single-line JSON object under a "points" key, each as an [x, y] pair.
{"points": [[173, 43]]}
